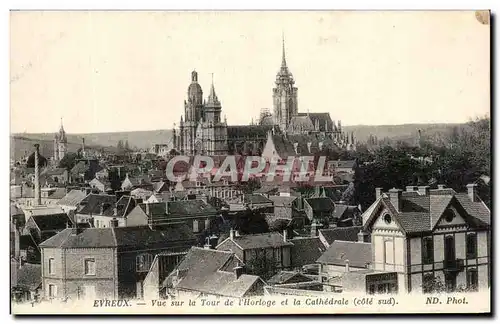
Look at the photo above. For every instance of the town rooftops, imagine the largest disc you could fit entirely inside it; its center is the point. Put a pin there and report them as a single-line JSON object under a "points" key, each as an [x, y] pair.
{"points": [[321, 204], [42, 210], [259, 241], [285, 277], [306, 250], [110, 237], [97, 204], [72, 198], [211, 272], [349, 233], [256, 199], [51, 222], [357, 254], [54, 171], [418, 212], [178, 207], [29, 276]]}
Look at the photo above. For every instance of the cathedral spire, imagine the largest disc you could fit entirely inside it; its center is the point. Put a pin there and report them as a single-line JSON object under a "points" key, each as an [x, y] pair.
{"points": [[283, 60], [212, 97]]}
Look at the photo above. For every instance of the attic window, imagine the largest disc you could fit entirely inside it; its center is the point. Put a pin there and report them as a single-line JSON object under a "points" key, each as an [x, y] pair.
{"points": [[387, 219], [449, 215]]}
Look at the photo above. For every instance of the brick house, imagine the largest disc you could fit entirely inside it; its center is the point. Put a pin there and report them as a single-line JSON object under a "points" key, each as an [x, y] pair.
{"points": [[106, 262], [424, 235]]}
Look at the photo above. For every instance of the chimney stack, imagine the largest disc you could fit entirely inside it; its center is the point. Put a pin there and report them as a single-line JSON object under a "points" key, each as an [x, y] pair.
{"points": [[346, 265], [362, 236], [231, 234], [378, 193], [147, 209], [166, 207], [285, 235], [236, 233], [38, 197], [207, 245], [114, 222], [472, 191], [395, 197], [423, 190], [115, 211]]}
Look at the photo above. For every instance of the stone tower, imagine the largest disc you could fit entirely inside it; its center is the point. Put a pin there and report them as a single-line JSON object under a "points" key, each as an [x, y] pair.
{"points": [[284, 95], [193, 109], [214, 130], [60, 144]]}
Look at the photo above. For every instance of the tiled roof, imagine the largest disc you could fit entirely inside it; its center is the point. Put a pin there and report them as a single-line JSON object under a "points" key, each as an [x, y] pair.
{"points": [[29, 276], [130, 236], [52, 222], [341, 233], [93, 202], [200, 271], [321, 204], [260, 241], [72, 198], [359, 254], [421, 213], [306, 250], [256, 199]]}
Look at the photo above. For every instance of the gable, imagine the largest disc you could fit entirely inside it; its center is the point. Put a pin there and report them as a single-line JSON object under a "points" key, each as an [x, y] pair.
{"points": [[380, 223], [452, 216]]}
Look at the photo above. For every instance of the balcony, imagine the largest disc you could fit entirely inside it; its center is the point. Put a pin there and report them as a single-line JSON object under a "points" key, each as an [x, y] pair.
{"points": [[453, 265]]}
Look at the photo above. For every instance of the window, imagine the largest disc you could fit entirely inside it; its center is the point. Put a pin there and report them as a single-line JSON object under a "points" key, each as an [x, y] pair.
{"points": [[387, 219], [472, 279], [471, 246], [196, 228], [389, 252], [89, 265], [449, 215], [52, 290], [427, 250], [143, 262], [51, 266]]}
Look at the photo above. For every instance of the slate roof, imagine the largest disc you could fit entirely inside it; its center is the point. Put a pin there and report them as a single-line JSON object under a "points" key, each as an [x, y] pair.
{"points": [[306, 250], [282, 201], [260, 241], [256, 199], [180, 207], [342, 211], [72, 198], [321, 118], [321, 204], [359, 254], [92, 203], [341, 234], [29, 276], [110, 237], [200, 271], [420, 213], [124, 206], [284, 277], [52, 222]]}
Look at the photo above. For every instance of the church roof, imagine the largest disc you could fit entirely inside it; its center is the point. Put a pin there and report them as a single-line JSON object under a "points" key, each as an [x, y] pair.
{"points": [[250, 131], [321, 118]]}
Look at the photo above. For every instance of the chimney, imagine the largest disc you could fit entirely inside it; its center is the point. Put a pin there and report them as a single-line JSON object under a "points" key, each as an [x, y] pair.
{"points": [[231, 234], [378, 193], [147, 209], [207, 245], [115, 211], [423, 190], [102, 209], [362, 236], [114, 222], [166, 208], [410, 188], [38, 197], [236, 233], [395, 197], [441, 186], [285, 235], [238, 270], [346, 265], [472, 191]]}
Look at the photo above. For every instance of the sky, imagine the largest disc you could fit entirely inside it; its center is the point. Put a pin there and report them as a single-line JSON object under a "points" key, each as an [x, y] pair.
{"points": [[125, 71]]}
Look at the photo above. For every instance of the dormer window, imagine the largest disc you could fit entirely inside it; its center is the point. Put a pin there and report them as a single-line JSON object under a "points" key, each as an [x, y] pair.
{"points": [[387, 219], [449, 215]]}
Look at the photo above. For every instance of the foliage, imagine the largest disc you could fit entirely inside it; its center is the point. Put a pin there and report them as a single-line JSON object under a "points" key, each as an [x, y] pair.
{"points": [[248, 187], [432, 284], [42, 161], [262, 265], [68, 161]]}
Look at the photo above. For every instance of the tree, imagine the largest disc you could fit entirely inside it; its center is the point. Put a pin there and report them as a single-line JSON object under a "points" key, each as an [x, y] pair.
{"points": [[68, 161], [263, 264], [42, 161], [431, 284], [126, 147]]}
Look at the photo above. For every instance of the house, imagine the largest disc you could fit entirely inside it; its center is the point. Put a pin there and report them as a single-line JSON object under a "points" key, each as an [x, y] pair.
{"points": [[102, 174], [71, 200], [319, 209], [106, 262], [305, 251], [197, 214], [117, 214], [85, 170], [25, 281], [102, 184], [346, 215], [424, 236], [140, 193], [95, 205], [43, 227], [264, 254], [210, 273], [350, 234], [57, 175], [130, 183]]}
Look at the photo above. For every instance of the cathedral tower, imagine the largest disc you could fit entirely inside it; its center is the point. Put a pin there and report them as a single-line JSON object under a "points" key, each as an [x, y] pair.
{"points": [[284, 95], [60, 144]]}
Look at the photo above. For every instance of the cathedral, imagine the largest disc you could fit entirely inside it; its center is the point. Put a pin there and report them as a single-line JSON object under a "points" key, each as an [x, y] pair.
{"points": [[201, 130], [60, 144]]}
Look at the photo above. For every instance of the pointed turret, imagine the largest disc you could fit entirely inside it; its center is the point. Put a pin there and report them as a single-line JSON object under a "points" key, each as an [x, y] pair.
{"points": [[283, 59], [212, 97]]}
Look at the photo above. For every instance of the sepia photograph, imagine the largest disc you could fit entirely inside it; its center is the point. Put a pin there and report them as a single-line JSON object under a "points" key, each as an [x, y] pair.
{"points": [[250, 162]]}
